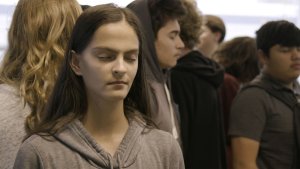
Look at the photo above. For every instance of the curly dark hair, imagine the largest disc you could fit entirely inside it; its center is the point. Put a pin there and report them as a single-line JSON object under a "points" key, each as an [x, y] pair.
{"points": [[280, 32], [190, 25], [161, 11]]}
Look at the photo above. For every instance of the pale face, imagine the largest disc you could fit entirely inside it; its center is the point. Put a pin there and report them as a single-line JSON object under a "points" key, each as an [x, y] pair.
{"points": [[109, 63], [168, 44], [208, 41], [283, 63]]}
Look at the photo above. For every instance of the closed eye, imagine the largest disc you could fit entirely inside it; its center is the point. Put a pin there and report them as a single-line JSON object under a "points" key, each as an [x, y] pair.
{"points": [[131, 58], [173, 35], [105, 57]]}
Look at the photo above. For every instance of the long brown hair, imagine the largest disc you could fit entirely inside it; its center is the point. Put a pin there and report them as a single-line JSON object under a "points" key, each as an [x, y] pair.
{"points": [[37, 40]]}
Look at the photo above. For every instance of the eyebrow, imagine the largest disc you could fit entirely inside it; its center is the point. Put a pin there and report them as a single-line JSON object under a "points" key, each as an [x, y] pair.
{"points": [[109, 50], [175, 32]]}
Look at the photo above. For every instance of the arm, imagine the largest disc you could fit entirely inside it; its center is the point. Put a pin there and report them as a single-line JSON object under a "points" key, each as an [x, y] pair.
{"points": [[248, 118], [176, 157], [244, 152]]}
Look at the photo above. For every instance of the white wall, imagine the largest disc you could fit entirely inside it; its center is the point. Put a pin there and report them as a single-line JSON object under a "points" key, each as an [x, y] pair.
{"points": [[245, 17], [6, 11], [242, 18]]}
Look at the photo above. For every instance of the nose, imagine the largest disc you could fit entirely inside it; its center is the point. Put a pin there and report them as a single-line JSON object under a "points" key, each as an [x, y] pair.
{"points": [[119, 68], [179, 43], [296, 53]]}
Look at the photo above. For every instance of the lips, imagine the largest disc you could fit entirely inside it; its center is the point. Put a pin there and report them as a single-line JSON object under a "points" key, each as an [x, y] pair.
{"points": [[118, 83], [295, 66], [178, 55]]}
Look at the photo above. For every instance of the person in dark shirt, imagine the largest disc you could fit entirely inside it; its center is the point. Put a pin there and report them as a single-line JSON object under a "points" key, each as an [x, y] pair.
{"points": [[264, 128]]}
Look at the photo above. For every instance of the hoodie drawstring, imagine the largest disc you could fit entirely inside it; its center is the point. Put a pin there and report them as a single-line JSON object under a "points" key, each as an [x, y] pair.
{"points": [[119, 162], [111, 162]]}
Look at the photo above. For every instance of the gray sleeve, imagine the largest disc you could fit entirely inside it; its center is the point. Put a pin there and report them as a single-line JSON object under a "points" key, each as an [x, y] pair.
{"points": [[176, 157], [248, 114], [27, 158]]}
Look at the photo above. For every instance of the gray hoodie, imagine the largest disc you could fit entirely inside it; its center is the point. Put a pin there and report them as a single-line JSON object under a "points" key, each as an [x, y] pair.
{"points": [[164, 110], [74, 148]]}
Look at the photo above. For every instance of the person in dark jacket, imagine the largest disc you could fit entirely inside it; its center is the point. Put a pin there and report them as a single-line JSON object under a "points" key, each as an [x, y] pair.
{"points": [[195, 81]]}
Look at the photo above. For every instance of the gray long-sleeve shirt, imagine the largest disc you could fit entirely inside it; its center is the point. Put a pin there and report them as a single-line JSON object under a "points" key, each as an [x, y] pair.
{"points": [[12, 125]]}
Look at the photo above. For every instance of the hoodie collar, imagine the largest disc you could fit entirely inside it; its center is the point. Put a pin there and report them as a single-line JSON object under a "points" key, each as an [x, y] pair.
{"points": [[203, 67], [76, 137]]}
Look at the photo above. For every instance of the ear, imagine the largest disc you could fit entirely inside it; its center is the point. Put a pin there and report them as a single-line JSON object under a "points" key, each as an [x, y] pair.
{"points": [[75, 63], [263, 59], [217, 36]]}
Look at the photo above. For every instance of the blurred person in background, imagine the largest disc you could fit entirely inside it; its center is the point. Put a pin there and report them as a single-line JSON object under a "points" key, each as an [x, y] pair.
{"points": [[238, 57], [195, 81], [37, 39], [214, 31]]}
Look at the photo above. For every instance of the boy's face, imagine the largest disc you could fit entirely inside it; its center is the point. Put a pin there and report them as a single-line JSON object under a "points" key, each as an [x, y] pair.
{"points": [[283, 63], [208, 41], [168, 44]]}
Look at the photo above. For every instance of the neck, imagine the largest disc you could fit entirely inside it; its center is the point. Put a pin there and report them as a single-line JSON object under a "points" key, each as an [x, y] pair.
{"points": [[106, 122], [105, 118], [285, 82], [185, 51], [209, 51]]}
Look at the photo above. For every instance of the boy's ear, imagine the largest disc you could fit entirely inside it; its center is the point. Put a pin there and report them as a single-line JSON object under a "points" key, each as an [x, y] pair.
{"points": [[263, 59], [217, 36], [75, 63]]}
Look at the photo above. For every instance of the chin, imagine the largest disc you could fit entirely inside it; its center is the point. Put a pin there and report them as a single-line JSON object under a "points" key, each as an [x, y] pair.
{"points": [[171, 65], [118, 96]]}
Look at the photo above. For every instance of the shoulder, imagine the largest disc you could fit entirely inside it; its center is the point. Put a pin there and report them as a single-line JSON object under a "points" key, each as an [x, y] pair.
{"points": [[252, 92], [161, 140], [9, 97], [37, 141], [13, 111], [33, 152], [164, 146], [252, 102], [254, 99], [157, 134], [40, 145], [7, 92], [12, 115]]}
